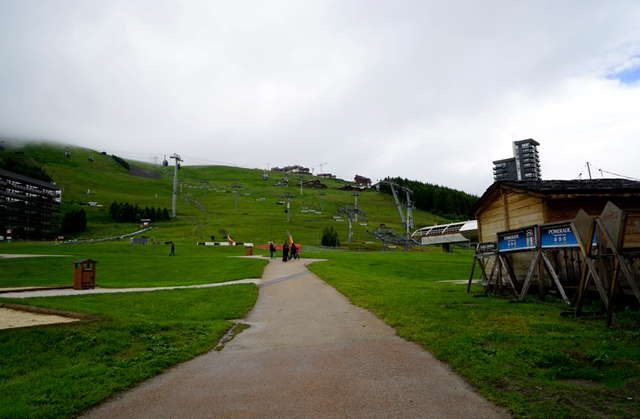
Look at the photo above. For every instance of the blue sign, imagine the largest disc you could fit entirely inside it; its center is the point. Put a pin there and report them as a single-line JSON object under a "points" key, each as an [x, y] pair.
{"points": [[523, 239], [559, 235]]}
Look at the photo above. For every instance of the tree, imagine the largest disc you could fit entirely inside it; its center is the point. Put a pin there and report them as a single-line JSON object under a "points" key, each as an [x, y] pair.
{"points": [[74, 221], [330, 237]]}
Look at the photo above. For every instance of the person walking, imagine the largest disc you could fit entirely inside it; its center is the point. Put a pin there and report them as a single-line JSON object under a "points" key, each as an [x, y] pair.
{"points": [[285, 251], [173, 250], [272, 250], [293, 250]]}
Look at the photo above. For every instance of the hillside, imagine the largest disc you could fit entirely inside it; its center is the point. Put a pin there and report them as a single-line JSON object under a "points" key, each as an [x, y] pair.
{"points": [[203, 213]]}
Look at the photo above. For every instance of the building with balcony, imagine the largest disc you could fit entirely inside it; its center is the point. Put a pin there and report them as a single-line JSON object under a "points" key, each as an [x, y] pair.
{"points": [[524, 165], [27, 207]]}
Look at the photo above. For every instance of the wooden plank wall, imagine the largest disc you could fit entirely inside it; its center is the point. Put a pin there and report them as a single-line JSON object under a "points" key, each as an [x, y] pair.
{"points": [[510, 210], [567, 209]]}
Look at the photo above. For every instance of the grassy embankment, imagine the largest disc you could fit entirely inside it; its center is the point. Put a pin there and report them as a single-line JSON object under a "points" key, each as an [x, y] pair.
{"points": [[259, 218], [525, 357]]}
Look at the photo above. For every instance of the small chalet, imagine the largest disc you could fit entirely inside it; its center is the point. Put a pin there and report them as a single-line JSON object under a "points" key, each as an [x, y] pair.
{"points": [[351, 188], [362, 181]]}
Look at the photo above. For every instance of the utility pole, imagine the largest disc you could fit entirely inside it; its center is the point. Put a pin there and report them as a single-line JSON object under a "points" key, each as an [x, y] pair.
{"points": [[204, 187], [288, 196], [322, 195], [236, 186], [351, 211], [356, 195], [409, 204], [175, 181], [301, 178]]}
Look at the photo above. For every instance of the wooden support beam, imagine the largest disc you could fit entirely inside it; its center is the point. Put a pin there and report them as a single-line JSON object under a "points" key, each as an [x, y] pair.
{"points": [[619, 262], [555, 278], [473, 267], [510, 274], [529, 277]]}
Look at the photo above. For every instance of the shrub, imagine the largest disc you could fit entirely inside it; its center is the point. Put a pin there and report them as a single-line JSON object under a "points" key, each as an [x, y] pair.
{"points": [[74, 221], [121, 161], [330, 237]]}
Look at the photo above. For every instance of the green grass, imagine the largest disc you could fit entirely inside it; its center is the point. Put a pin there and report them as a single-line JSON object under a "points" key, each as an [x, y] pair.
{"points": [[256, 221], [122, 265], [58, 371], [524, 356]]}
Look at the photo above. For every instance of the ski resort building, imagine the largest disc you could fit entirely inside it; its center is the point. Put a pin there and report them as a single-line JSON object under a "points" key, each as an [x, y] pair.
{"points": [[27, 207]]}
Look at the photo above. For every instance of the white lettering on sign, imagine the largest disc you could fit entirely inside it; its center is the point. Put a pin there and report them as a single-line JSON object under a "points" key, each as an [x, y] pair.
{"points": [[560, 230]]}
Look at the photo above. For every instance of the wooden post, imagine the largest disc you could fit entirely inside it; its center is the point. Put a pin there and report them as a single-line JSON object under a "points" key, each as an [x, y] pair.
{"points": [[541, 281], [530, 272], [473, 267]]}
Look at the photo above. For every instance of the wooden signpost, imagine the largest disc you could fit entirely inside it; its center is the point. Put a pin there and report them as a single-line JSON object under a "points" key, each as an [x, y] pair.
{"points": [[611, 228], [485, 254]]}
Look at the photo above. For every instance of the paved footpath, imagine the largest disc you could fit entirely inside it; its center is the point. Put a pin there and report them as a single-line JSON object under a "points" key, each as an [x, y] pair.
{"points": [[309, 353]]}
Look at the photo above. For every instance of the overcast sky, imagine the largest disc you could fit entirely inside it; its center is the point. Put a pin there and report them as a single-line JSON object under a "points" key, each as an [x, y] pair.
{"points": [[431, 91]]}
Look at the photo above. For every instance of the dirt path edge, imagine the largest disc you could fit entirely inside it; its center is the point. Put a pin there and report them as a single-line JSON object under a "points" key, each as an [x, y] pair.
{"points": [[50, 311]]}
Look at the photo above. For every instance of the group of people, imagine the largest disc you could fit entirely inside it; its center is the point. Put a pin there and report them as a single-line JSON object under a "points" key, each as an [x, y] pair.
{"points": [[288, 252]]}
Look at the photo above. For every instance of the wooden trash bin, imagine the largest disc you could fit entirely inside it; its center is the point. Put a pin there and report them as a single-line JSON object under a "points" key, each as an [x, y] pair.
{"points": [[84, 274], [248, 250]]}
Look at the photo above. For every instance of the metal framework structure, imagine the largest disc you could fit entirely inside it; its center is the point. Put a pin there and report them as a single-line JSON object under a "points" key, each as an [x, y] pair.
{"points": [[388, 235], [175, 181], [352, 212], [288, 197], [205, 184], [322, 195], [408, 204], [236, 186], [356, 195]]}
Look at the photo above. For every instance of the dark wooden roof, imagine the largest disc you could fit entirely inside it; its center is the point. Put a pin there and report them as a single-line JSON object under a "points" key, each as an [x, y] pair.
{"points": [[573, 186], [559, 189], [85, 261]]}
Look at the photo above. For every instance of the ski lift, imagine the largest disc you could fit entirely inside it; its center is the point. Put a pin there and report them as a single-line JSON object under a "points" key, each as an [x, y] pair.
{"points": [[179, 166], [2, 146], [91, 158], [66, 152], [265, 176], [165, 162]]}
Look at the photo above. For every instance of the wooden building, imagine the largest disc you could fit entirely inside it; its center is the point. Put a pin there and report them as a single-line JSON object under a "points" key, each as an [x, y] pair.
{"points": [[510, 205], [362, 181]]}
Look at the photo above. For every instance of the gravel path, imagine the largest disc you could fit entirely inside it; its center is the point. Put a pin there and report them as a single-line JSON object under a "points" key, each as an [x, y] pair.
{"points": [[309, 353]]}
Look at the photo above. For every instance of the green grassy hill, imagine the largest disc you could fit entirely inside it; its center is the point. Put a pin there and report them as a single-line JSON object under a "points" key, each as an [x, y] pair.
{"points": [[259, 217]]}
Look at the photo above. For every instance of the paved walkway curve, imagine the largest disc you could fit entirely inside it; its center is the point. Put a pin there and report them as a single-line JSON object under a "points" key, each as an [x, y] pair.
{"points": [[309, 353]]}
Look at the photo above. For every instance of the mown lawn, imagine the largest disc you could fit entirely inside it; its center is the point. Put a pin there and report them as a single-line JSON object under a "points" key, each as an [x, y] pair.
{"points": [[58, 371], [123, 265], [523, 356]]}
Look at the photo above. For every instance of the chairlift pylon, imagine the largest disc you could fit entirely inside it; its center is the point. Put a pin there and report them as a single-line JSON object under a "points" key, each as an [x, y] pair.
{"points": [[91, 158], [66, 152]]}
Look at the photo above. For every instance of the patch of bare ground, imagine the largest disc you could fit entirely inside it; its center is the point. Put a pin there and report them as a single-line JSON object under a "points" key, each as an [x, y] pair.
{"points": [[577, 398], [581, 383], [140, 172]]}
